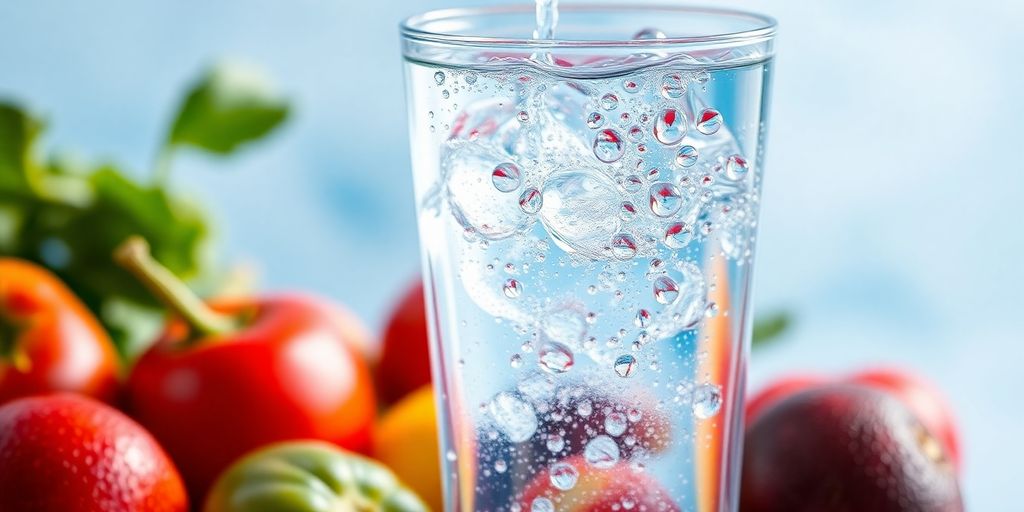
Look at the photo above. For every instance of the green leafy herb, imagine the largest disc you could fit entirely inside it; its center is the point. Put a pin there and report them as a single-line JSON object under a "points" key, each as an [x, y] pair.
{"points": [[769, 328], [70, 217]]}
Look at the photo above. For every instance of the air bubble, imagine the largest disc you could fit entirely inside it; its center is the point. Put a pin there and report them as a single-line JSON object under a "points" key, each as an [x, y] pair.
{"points": [[649, 33], [627, 211], [665, 199], [615, 424], [670, 126], [666, 291], [439, 78], [555, 443], [609, 101], [673, 86], [608, 146], [625, 365], [506, 177], [623, 246], [642, 319], [563, 476], [632, 183], [677, 235], [555, 357], [595, 120], [515, 361], [531, 201], [707, 400], [736, 168], [686, 156], [709, 121], [542, 504], [630, 86], [514, 416], [602, 452], [513, 288]]}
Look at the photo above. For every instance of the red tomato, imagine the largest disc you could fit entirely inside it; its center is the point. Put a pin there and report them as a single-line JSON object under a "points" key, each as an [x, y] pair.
{"points": [[286, 373], [405, 361], [64, 453], [49, 341]]}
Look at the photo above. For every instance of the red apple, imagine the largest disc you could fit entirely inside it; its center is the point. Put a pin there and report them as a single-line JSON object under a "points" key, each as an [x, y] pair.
{"points": [[405, 357]]}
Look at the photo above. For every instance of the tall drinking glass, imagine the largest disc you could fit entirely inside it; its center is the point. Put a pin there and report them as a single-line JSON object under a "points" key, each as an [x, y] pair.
{"points": [[587, 209]]}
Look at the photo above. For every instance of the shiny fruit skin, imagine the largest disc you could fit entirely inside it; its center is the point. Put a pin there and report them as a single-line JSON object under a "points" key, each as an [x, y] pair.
{"points": [[844, 448], [63, 453], [406, 440], [59, 344], [405, 357], [923, 399], [309, 476], [601, 490], [287, 374]]}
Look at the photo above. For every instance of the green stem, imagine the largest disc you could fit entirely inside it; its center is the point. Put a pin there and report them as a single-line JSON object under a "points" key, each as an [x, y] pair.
{"points": [[134, 255]]}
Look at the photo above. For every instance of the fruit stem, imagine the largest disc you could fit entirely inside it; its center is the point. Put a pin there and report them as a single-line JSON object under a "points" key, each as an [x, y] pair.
{"points": [[134, 255]]}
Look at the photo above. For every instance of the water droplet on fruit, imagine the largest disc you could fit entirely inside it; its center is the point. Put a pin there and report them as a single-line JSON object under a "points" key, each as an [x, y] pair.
{"points": [[602, 452]]}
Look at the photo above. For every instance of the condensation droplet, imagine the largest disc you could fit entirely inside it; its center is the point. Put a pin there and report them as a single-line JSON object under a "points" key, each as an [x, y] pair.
{"points": [[563, 476], [542, 504], [673, 86], [665, 199], [670, 126], [623, 246], [736, 168], [531, 201], [707, 400], [625, 365], [595, 120], [514, 416], [555, 357], [513, 288], [609, 101], [506, 177], [642, 319], [630, 86], [666, 291], [602, 452], [709, 121], [627, 211], [677, 235], [608, 146], [686, 156], [555, 443], [615, 423], [515, 361]]}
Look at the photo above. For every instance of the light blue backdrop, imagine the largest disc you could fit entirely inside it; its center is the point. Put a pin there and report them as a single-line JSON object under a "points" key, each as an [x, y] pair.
{"points": [[894, 170]]}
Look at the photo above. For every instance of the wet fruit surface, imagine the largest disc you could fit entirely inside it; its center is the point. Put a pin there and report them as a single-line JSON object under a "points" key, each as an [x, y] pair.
{"points": [[66, 453], [844, 448]]}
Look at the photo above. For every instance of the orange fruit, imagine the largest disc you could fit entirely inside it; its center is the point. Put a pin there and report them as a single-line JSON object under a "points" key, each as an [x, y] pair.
{"points": [[406, 441]]}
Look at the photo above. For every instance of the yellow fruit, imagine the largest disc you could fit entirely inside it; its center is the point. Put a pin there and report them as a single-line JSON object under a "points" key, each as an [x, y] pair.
{"points": [[406, 441]]}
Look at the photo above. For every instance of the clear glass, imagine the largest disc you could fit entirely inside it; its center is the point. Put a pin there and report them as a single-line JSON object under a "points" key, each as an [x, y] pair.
{"points": [[587, 211]]}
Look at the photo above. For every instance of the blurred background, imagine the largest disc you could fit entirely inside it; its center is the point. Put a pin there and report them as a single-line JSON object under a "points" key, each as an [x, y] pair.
{"points": [[887, 227]]}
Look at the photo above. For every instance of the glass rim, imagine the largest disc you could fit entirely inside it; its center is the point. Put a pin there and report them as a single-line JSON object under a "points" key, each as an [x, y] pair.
{"points": [[765, 27]]}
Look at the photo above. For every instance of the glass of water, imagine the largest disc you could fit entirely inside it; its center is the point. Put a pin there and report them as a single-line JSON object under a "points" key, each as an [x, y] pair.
{"points": [[588, 184]]}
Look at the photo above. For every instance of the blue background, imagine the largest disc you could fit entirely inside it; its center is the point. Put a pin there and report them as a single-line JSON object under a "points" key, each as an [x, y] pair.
{"points": [[894, 170]]}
